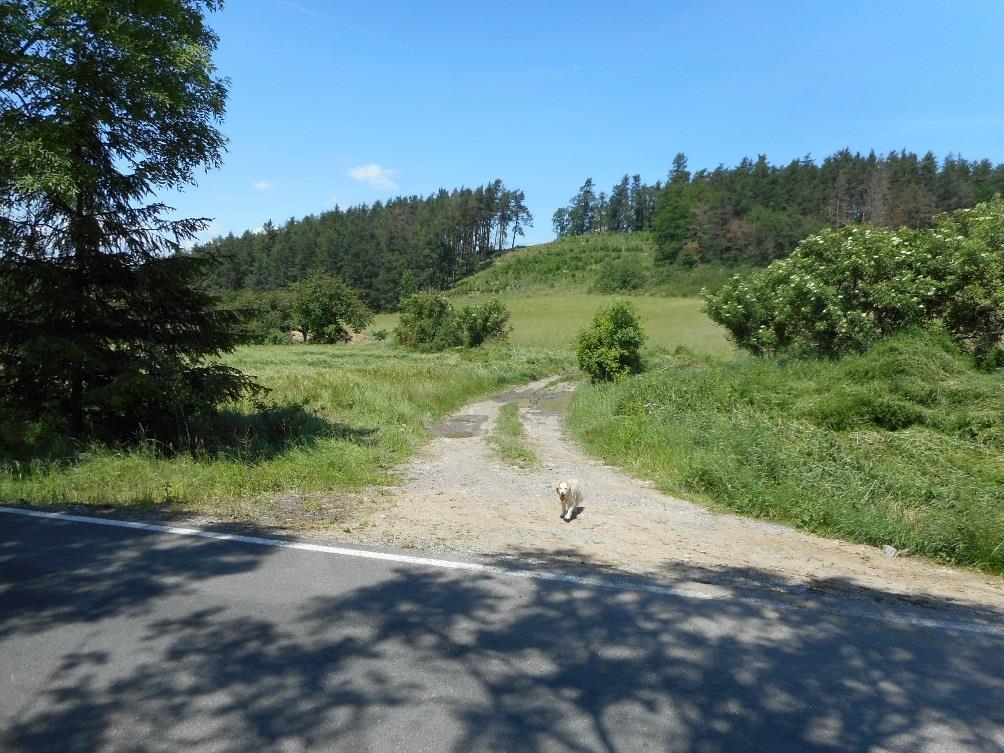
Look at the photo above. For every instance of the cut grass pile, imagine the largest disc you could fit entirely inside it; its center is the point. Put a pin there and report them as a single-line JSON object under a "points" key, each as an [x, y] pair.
{"points": [[341, 418], [903, 445], [509, 438], [553, 320]]}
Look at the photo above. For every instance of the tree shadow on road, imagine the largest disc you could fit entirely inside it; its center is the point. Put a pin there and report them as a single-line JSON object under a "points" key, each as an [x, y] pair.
{"points": [[416, 659]]}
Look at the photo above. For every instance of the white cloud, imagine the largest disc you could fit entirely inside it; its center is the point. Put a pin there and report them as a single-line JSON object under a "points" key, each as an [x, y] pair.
{"points": [[261, 185], [380, 178]]}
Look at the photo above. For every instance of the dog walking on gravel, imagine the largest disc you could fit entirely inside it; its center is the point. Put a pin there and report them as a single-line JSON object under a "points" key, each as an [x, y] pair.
{"points": [[570, 496]]}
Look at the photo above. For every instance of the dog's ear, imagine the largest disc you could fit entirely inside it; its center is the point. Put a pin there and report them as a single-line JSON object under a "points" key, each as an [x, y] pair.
{"points": [[557, 486]]}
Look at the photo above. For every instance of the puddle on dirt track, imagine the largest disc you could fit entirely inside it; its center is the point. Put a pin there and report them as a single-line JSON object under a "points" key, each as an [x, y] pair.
{"points": [[555, 403], [459, 427], [553, 399]]}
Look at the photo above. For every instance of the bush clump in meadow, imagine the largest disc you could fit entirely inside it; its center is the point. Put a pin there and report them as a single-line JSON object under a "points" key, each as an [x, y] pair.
{"points": [[621, 275], [430, 322], [972, 243], [484, 321], [841, 290], [610, 348]]}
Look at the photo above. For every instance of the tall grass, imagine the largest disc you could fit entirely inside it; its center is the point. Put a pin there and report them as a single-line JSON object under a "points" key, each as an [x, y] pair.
{"points": [[353, 413], [903, 445]]}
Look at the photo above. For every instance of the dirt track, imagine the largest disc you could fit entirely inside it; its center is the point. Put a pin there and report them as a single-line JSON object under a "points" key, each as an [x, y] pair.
{"points": [[457, 496]]}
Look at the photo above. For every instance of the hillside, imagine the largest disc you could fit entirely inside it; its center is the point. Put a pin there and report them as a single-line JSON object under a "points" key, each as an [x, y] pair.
{"points": [[594, 263]]}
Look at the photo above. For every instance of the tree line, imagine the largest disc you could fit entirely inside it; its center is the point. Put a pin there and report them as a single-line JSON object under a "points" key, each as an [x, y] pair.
{"points": [[385, 251], [757, 212]]}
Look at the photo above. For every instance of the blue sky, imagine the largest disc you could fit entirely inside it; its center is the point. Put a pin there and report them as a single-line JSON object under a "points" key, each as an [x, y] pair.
{"points": [[336, 102]]}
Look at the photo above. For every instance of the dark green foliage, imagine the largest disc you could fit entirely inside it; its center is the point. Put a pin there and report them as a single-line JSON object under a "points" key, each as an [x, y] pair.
{"points": [[610, 348], [621, 275], [325, 309], [407, 286], [673, 223], [428, 322], [484, 321], [102, 331], [842, 290], [265, 318], [386, 251], [756, 212], [971, 242]]}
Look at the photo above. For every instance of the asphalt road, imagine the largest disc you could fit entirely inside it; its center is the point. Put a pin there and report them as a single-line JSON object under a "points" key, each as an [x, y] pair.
{"points": [[126, 640]]}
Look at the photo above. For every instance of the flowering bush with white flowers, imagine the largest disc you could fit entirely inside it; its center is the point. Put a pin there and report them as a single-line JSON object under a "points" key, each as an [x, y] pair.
{"points": [[972, 242], [843, 289], [837, 293]]}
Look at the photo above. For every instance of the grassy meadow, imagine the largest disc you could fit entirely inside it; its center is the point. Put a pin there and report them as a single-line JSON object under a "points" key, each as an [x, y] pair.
{"points": [[338, 417], [552, 321], [903, 445], [550, 290]]}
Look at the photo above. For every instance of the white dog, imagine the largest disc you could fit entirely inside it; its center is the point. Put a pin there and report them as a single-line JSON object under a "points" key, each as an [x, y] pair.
{"points": [[570, 495]]}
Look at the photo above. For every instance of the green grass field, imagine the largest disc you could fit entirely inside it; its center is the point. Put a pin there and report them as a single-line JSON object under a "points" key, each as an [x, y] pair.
{"points": [[341, 417], [552, 321], [903, 445]]}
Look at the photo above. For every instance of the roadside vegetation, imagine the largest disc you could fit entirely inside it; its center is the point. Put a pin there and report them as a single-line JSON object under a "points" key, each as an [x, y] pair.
{"points": [[842, 290], [337, 418], [902, 445], [509, 438]]}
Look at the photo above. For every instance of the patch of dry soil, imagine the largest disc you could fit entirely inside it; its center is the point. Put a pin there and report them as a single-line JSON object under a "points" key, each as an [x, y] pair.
{"points": [[457, 496]]}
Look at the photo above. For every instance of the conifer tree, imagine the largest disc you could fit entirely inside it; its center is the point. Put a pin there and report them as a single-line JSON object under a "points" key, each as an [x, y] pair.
{"points": [[102, 104]]}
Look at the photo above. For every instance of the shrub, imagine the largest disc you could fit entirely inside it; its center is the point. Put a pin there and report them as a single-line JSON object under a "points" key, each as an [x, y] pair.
{"points": [[618, 275], [379, 335], [972, 243], [837, 293], [428, 322], [484, 321], [610, 348], [843, 289]]}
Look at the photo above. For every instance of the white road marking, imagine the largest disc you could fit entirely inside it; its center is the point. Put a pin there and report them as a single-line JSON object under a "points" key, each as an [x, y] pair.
{"points": [[506, 572]]}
